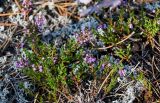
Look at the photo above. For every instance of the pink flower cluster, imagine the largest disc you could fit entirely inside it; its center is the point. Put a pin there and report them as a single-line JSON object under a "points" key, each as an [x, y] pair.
{"points": [[122, 72], [84, 37], [26, 7], [40, 68], [102, 26], [89, 59], [21, 63], [26, 3], [40, 21]]}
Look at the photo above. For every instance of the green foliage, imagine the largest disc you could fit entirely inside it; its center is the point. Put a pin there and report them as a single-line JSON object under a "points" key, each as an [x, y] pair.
{"points": [[141, 78], [108, 37], [56, 75], [113, 78], [151, 26], [111, 84], [124, 54], [64, 67]]}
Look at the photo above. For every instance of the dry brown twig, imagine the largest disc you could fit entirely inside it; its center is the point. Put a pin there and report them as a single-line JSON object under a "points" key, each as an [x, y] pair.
{"points": [[153, 72], [104, 81], [35, 98], [7, 40], [126, 38], [9, 14], [8, 24], [61, 7], [19, 7]]}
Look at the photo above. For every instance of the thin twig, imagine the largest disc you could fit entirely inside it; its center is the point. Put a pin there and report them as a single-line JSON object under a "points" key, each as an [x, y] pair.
{"points": [[67, 4], [156, 66], [125, 38], [35, 99], [153, 68], [117, 42], [104, 81], [9, 14], [19, 7], [123, 86], [7, 41], [134, 68], [116, 95], [8, 24]]}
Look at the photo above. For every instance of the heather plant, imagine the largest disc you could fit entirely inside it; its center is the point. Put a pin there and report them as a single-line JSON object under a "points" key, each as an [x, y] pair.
{"points": [[79, 51], [59, 70], [151, 28], [65, 69], [53, 74], [124, 53]]}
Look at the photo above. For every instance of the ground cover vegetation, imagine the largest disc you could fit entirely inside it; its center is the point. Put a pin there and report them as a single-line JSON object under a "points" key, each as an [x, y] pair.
{"points": [[50, 52]]}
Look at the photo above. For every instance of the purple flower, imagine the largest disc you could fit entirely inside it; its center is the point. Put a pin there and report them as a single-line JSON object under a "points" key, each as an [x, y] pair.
{"points": [[25, 61], [122, 72], [103, 66], [102, 26], [19, 64], [55, 60], [25, 30], [26, 3], [40, 68], [89, 59], [33, 66], [40, 21], [22, 63], [26, 7], [131, 26], [84, 37], [21, 45]]}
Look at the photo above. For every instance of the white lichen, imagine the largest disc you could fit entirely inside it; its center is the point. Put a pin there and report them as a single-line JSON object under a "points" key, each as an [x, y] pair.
{"points": [[1, 9]]}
